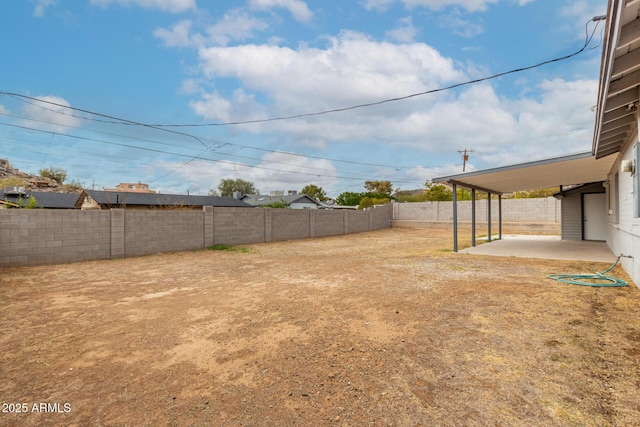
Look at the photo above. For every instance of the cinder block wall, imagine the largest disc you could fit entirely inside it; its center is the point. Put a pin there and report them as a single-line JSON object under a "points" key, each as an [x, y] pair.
{"points": [[328, 223], [289, 224], [381, 217], [33, 237], [358, 221], [239, 226], [513, 210], [155, 231]]}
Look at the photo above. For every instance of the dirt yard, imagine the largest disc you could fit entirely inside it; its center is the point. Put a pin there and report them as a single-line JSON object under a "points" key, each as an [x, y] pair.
{"points": [[382, 328]]}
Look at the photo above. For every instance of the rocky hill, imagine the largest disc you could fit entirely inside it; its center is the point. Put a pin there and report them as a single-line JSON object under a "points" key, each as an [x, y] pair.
{"points": [[29, 181]]}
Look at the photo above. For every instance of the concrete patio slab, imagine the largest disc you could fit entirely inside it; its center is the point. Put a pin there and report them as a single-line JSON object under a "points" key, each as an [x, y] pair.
{"points": [[546, 247]]}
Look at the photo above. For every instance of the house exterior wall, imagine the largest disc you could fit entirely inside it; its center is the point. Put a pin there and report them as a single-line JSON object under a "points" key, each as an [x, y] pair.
{"points": [[303, 206], [623, 228], [572, 217], [42, 236]]}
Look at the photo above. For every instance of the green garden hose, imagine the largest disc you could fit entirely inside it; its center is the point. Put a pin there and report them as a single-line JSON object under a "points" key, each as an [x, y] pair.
{"points": [[597, 279]]}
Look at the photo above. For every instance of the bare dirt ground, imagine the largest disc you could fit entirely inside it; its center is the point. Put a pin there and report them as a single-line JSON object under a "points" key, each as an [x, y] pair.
{"points": [[381, 328]]}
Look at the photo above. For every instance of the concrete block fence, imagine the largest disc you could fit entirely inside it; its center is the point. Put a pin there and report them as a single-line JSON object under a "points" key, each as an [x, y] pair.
{"points": [[541, 210], [41, 236]]}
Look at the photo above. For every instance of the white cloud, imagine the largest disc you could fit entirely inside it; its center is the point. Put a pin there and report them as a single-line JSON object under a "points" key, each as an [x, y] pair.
{"points": [[379, 5], [40, 6], [460, 26], [468, 5], [275, 172], [171, 6], [298, 8], [47, 116], [235, 25], [178, 36], [214, 106], [420, 173], [404, 32], [353, 69]]}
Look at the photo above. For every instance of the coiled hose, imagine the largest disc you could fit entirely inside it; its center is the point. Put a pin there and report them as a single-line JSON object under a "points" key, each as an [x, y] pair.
{"points": [[596, 279]]}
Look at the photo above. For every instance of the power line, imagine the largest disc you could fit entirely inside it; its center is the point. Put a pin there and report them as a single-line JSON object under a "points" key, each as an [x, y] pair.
{"points": [[188, 156], [210, 149], [588, 39], [24, 98]]}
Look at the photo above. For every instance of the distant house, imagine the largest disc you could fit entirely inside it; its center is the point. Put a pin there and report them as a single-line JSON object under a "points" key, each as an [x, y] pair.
{"points": [[44, 199], [131, 187], [293, 201], [94, 199]]}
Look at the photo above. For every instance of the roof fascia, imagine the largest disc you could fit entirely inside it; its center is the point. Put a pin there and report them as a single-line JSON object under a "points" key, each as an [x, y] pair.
{"points": [[614, 15], [516, 166], [474, 187]]}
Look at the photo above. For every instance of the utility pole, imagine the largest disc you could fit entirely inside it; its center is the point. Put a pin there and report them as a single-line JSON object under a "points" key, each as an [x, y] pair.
{"points": [[465, 157]]}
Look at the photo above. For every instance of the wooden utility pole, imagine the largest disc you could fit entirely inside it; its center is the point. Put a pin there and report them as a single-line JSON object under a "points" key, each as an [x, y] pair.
{"points": [[465, 157]]}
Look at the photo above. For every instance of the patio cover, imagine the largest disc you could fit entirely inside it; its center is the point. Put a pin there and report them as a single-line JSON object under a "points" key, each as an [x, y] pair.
{"points": [[566, 170]]}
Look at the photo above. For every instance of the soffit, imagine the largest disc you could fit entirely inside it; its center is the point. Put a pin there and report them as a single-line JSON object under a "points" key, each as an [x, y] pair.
{"points": [[567, 170]]}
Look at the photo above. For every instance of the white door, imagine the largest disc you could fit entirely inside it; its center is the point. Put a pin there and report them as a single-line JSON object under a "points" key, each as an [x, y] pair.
{"points": [[594, 216]]}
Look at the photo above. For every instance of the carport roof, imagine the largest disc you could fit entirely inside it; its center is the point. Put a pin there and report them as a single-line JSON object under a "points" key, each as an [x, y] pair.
{"points": [[566, 170]]}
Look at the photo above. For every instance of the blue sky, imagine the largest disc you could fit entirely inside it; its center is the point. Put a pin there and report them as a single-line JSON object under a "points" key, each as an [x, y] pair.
{"points": [[196, 62]]}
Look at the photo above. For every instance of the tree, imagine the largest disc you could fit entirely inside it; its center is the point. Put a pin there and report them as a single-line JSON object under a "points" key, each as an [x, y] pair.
{"points": [[314, 192], [57, 174], [349, 198], [277, 205], [228, 186], [378, 187], [366, 202], [74, 186], [437, 192], [31, 203]]}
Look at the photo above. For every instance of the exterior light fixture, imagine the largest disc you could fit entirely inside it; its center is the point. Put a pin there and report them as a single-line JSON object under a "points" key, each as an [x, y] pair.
{"points": [[628, 166]]}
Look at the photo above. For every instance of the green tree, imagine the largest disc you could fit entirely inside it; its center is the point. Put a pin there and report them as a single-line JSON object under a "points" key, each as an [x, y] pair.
{"points": [[277, 205], [369, 201], [365, 202], [378, 187], [314, 192], [349, 198], [437, 192], [57, 174], [228, 186], [74, 185], [30, 203]]}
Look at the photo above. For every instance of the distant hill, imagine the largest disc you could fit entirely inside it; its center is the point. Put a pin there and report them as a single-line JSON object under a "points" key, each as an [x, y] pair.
{"points": [[29, 181]]}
